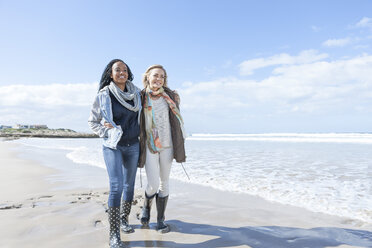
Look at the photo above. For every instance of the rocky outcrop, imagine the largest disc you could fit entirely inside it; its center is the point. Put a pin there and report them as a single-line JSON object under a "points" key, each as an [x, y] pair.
{"points": [[44, 133]]}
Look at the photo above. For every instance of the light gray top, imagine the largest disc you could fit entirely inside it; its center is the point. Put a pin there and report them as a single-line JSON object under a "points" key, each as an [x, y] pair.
{"points": [[161, 116]]}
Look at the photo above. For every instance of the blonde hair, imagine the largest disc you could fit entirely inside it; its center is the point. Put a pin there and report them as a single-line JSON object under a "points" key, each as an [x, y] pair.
{"points": [[145, 78]]}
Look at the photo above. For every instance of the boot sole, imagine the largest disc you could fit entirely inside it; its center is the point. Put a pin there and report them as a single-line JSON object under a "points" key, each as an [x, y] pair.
{"points": [[127, 231], [145, 223], [164, 230]]}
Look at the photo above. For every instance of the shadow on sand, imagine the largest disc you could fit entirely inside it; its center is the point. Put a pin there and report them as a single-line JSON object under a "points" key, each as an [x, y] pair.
{"points": [[261, 237]]}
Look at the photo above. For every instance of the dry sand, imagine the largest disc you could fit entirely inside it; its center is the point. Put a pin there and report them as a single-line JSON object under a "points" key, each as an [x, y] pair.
{"points": [[34, 213]]}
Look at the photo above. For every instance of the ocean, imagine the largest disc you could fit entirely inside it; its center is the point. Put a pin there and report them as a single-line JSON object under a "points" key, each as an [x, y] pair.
{"points": [[328, 173]]}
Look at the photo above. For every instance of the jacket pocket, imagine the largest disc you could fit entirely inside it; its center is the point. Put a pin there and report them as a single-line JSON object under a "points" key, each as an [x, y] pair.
{"points": [[113, 136]]}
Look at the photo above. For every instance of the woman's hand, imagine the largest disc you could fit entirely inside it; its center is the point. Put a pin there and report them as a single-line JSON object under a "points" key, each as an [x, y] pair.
{"points": [[108, 125]]}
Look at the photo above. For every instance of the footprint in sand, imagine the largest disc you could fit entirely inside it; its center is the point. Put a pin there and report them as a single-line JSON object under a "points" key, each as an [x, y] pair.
{"points": [[45, 196], [98, 223], [7, 207]]}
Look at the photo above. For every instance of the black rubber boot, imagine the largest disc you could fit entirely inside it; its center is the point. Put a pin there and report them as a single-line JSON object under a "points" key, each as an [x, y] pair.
{"points": [[145, 219], [114, 221], [161, 204], [125, 211]]}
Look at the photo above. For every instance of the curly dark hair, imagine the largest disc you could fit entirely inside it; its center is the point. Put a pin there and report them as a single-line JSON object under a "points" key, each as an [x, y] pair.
{"points": [[106, 75]]}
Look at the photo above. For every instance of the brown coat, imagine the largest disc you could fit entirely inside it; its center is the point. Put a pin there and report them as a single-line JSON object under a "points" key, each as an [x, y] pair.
{"points": [[177, 137]]}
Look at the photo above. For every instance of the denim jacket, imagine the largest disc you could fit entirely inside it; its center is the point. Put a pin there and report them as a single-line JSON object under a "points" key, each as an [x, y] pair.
{"points": [[102, 109]]}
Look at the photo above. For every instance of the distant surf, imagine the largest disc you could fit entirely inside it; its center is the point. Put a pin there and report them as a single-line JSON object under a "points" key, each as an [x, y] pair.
{"points": [[362, 138]]}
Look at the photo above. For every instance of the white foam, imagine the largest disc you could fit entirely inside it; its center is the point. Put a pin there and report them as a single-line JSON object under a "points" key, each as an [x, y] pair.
{"points": [[84, 155]]}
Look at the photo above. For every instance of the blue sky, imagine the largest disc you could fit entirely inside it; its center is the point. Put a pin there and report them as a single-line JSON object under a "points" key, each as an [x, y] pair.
{"points": [[239, 66]]}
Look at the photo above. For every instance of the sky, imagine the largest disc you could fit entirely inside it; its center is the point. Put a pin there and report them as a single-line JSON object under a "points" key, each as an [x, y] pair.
{"points": [[240, 66]]}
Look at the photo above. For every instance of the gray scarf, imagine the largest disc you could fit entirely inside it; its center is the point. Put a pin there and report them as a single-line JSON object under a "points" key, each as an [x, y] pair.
{"points": [[133, 93]]}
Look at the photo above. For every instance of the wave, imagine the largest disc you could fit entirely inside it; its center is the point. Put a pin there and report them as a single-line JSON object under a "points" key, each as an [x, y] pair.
{"points": [[359, 138]]}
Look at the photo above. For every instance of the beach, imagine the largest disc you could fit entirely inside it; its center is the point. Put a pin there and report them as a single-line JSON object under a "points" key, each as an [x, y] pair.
{"points": [[39, 211]]}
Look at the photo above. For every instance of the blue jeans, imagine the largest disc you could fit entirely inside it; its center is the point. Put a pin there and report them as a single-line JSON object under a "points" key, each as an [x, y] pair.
{"points": [[121, 167]]}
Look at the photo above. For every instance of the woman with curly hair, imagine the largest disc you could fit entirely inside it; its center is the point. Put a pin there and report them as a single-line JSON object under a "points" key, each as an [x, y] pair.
{"points": [[118, 104]]}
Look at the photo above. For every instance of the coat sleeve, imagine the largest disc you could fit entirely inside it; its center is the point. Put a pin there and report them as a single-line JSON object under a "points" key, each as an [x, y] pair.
{"points": [[177, 98], [95, 118], [173, 94]]}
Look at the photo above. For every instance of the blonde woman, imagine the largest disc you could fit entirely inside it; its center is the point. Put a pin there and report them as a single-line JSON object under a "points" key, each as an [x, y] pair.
{"points": [[162, 139]]}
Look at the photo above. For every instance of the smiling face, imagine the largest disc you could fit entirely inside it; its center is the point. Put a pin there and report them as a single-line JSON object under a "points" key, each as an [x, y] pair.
{"points": [[119, 74], [156, 78]]}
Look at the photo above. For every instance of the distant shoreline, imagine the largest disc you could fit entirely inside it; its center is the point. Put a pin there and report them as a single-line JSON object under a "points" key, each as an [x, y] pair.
{"points": [[11, 133]]}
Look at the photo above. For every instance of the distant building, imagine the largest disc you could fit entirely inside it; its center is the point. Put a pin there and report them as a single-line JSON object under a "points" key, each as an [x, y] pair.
{"points": [[21, 126], [39, 126], [4, 127]]}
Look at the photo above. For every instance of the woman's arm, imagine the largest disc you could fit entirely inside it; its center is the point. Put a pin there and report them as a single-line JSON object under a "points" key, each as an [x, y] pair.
{"points": [[95, 119]]}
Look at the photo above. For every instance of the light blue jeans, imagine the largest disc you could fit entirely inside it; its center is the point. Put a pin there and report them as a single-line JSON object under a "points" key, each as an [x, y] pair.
{"points": [[121, 167]]}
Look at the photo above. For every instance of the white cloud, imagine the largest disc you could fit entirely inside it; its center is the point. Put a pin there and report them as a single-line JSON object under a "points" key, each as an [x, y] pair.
{"points": [[316, 28], [363, 47], [209, 70], [249, 66], [337, 42], [47, 96], [364, 22], [56, 105], [318, 88]]}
